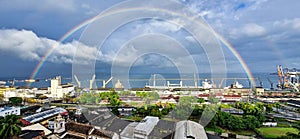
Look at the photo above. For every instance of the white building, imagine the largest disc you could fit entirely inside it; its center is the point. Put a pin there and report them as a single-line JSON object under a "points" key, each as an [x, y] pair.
{"points": [[9, 110], [145, 127], [140, 130], [270, 124], [57, 124], [58, 90], [9, 94], [23, 93], [55, 83]]}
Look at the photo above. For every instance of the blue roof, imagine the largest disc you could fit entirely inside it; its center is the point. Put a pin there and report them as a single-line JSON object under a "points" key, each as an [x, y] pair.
{"points": [[6, 108], [43, 115]]}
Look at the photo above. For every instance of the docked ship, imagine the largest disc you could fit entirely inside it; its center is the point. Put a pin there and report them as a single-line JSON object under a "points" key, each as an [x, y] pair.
{"points": [[2, 83], [175, 86]]}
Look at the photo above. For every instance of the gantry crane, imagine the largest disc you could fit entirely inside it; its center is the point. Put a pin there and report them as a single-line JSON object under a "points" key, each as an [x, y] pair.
{"points": [[106, 82], [77, 81]]}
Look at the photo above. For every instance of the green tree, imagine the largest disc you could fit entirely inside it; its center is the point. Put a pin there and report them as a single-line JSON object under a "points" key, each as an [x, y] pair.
{"points": [[153, 95], [197, 111], [269, 108], [141, 111], [154, 111], [10, 126], [141, 94], [1, 98], [185, 107], [114, 101], [16, 101], [251, 122], [165, 111], [67, 98], [201, 100], [115, 111], [218, 130]]}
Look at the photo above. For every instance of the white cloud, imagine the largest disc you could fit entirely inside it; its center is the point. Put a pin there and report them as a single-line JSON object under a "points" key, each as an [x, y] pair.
{"points": [[253, 30], [28, 46], [24, 44], [165, 26], [89, 9], [292, 24]]}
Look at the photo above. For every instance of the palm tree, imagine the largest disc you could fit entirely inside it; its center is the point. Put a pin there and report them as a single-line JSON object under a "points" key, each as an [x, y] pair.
{"points": [[9, 126]]}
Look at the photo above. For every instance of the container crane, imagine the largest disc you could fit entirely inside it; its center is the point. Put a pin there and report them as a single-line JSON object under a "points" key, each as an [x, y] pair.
{"points": [[106, 82], [260, 82], [280, 77], [92, 81], [271, 83], [77, 81]]}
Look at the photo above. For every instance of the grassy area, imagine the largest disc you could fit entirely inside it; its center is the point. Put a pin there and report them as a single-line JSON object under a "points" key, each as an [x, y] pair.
{"points": [[216, 129], [244, 132], [225, 106], [134, 118], [283, 125], [169, 119], [275, 132], [209, 129]]}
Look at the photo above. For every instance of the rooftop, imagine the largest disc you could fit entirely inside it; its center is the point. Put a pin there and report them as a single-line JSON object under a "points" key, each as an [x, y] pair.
{"points": [[129, 130], [37, 127], [79, 128], [117, 125], [69, 136], [102, 133], [43, 115], [30, 134], [164, 129], [2, 109], [74, 128], [147, 124], [189, 129]]}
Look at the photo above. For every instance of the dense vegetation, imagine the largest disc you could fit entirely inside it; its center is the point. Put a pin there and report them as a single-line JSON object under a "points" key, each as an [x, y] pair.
{"points": [[9, 126], [95, 98], [188, 108], [16, 101], [148, 96]]}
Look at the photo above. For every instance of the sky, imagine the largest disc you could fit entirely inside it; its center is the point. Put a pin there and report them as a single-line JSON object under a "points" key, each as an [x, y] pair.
{"points": [[265, 33]]}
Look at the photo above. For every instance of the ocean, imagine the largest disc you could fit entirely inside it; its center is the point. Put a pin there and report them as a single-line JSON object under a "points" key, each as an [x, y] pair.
{"points": [[139, 80]]}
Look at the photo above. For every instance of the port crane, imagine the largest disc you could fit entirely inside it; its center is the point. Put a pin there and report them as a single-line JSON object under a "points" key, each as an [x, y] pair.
{"points": [[288, 79], [92, 81], [77, 81], [271, 83], [260, 82], [106, 82], [280, 77]]}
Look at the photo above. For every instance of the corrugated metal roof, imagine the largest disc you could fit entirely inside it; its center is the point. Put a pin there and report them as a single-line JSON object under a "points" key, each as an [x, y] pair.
{"points": [[147, 124], [189, 129]]}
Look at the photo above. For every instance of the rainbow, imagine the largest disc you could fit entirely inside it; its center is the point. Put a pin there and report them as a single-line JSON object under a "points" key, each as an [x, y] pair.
{"points": [[48, 53], [90, 20], [239, 58]]}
